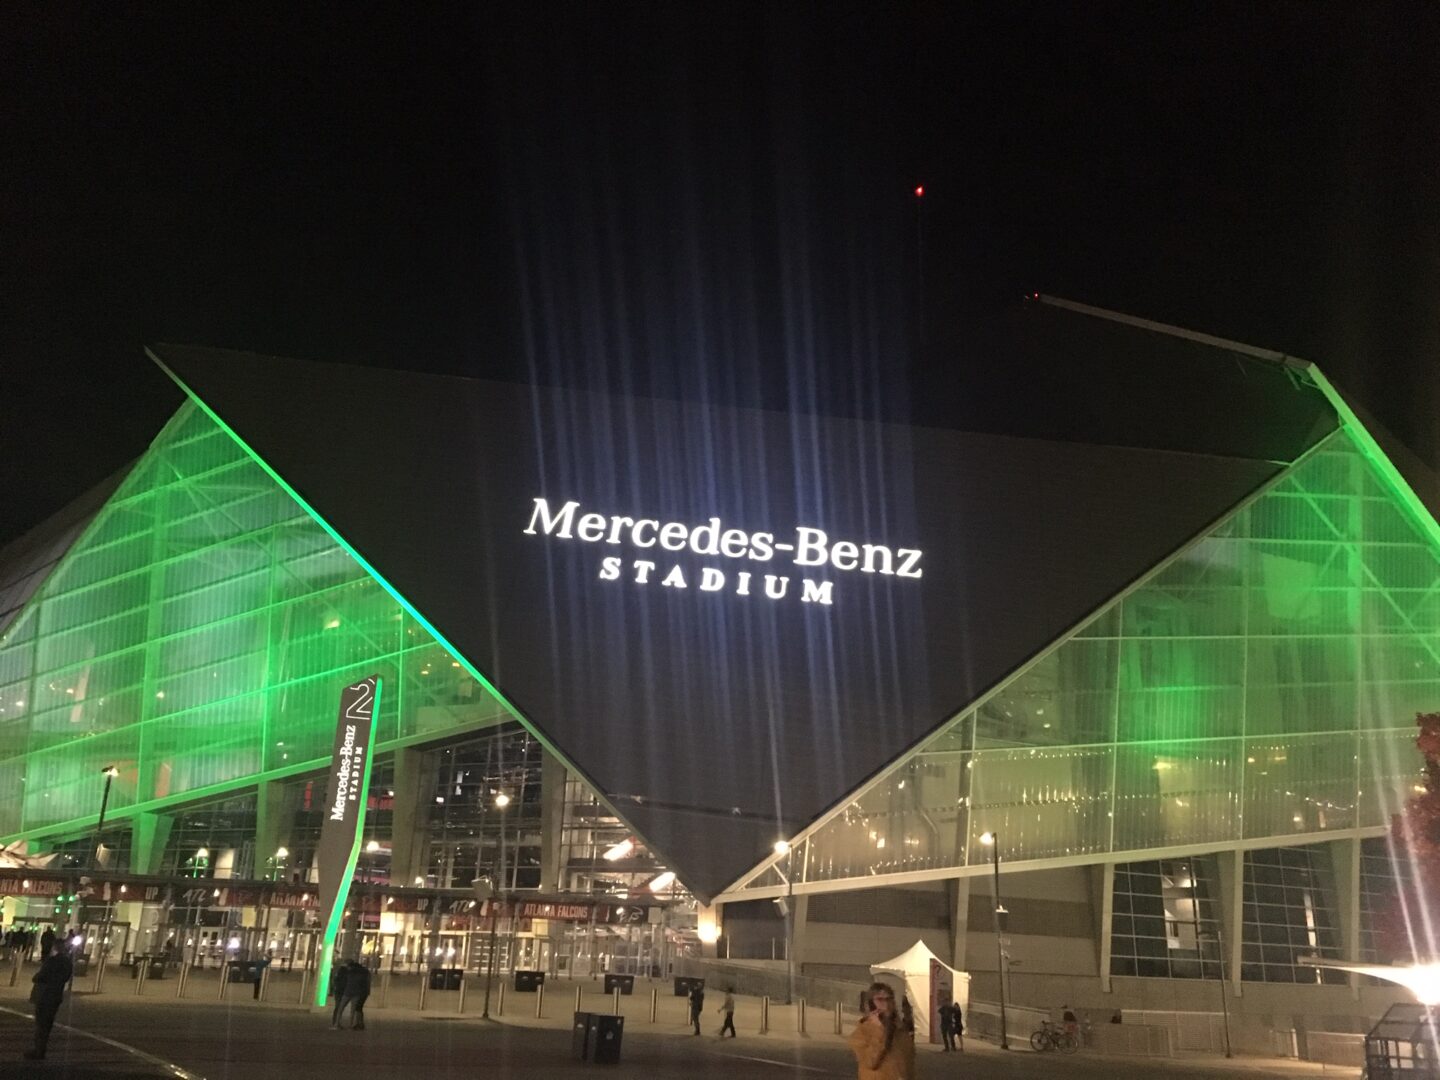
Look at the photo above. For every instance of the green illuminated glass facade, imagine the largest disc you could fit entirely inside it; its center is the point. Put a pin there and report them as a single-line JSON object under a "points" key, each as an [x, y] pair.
{"points": [[197, 637], [1262, 684]]}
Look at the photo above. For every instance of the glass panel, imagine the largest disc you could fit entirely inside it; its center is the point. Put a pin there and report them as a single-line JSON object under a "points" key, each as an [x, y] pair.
{"points": [[1042, 803], [1176, 793], [1262, 684], [197, 636], [1299, 784]]}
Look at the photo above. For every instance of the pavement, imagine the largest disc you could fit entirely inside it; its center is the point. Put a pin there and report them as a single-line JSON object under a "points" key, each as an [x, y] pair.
{"points": [[118, 1035]]}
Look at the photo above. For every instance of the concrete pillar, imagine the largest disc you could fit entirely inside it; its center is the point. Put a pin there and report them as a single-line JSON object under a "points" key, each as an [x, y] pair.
{"points": [[275, 804], [797, 933], [1102, 903], [552, 820], [149, 833], [412, 791], [1345, 864], [959, 896], [1232, 913]]}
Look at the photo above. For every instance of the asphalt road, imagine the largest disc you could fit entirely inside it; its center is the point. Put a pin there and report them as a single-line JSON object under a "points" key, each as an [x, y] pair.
{"points": [[243, 1041]]}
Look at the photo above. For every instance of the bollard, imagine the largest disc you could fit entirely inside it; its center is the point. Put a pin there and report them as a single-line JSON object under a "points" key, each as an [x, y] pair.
{"points": [[800, 1016], [15, 970], [460, 1004], [140, 977], [654, 1003], [183, 979], [764, 1015], [224, 977], [839, 1021], [384, 989], [615, 1006], [304, 981], [424, 985], [264, 982], [540, 1002], [99, 975], [500, 1005], [577, 999]]}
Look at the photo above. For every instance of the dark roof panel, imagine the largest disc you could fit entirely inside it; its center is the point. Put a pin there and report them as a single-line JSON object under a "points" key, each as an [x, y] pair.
{"points": [[27, 560], [716, 719]]}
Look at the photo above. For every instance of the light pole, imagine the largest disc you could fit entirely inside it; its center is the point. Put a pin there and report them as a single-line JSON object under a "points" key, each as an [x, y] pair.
{"points": [[494, 893], [782, 847], [1200, 953], [992, 841], [109, 772]]}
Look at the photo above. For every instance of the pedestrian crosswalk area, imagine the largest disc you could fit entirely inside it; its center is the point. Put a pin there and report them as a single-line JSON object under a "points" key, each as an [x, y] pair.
{"points": [[71, 1056]]}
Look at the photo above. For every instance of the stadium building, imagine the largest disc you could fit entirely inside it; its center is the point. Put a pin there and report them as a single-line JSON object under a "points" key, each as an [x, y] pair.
{"points": [[1150, 612]]}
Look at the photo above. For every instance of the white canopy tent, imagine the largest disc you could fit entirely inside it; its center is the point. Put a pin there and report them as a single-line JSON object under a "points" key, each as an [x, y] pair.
{"points": [[929, 981]]}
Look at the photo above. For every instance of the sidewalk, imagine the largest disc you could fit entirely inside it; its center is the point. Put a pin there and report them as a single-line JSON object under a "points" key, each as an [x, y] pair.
{"points": [[398, 998]]}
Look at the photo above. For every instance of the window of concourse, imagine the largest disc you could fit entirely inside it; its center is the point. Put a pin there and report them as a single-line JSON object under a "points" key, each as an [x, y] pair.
{"points": [[1165, 919]]}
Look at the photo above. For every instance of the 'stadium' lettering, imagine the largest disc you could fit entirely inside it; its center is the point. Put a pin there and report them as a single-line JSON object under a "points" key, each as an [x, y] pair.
{"points": [[806, 547]]}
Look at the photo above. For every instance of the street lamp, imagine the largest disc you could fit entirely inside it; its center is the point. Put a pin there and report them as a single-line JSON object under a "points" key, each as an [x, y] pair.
{"points": [[992, 841], [109, 772], [493, 892], [782, 847], [1200, 950]]}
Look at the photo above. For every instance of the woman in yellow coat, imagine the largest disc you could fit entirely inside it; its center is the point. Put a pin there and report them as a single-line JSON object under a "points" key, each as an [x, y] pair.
{"points": [[884, 1040]]}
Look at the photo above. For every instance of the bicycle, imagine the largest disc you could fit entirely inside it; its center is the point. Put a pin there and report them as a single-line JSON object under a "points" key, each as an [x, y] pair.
{"points": [[1052, 1036]]}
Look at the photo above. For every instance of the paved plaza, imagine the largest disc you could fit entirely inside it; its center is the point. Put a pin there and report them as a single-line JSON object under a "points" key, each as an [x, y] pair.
{"points": [[117, 1034]]}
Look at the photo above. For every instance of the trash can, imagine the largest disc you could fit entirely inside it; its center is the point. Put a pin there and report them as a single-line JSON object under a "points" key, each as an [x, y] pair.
{"points": [[154, 966], [624, 983], [242, 971], [527, 982], [446, 978], [606, 1033], [684, 984], [580, 1036]]}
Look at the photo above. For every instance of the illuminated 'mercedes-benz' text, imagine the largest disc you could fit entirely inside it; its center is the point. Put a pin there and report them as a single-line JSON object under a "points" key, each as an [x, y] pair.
{"points": [[806, 547]]}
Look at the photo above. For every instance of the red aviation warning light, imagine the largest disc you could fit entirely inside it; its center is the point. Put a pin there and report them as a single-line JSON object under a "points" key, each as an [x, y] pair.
{"points": [[919, 191]]}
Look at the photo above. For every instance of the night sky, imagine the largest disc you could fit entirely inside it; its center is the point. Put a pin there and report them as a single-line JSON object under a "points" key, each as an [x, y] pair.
{"points": [[709, 202]]}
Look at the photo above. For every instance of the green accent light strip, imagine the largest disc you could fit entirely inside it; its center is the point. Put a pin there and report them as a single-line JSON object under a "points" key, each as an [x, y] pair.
{"points": [[1378, 458]]}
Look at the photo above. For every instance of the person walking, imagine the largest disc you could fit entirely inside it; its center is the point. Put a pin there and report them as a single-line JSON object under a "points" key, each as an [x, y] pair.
{"points": [[47, 942], [728, 1008], [950, 1025], [357, 989], [697, 1004], [48, 993], [339, 985], [884, 1040]]}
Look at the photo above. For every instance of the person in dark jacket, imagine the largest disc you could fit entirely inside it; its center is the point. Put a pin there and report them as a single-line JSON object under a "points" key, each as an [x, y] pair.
{"points": [[950, 1026], [357, 989], [339, 986], [47, 942], [47, 994], [697, 1005]]}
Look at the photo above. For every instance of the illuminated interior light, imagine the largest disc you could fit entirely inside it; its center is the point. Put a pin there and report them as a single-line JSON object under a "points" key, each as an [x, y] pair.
{"points": [[620, 850]]}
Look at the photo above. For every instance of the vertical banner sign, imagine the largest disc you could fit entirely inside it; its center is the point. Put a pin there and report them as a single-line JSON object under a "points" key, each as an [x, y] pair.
{"points": [[346, 796], [942, 992]]}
